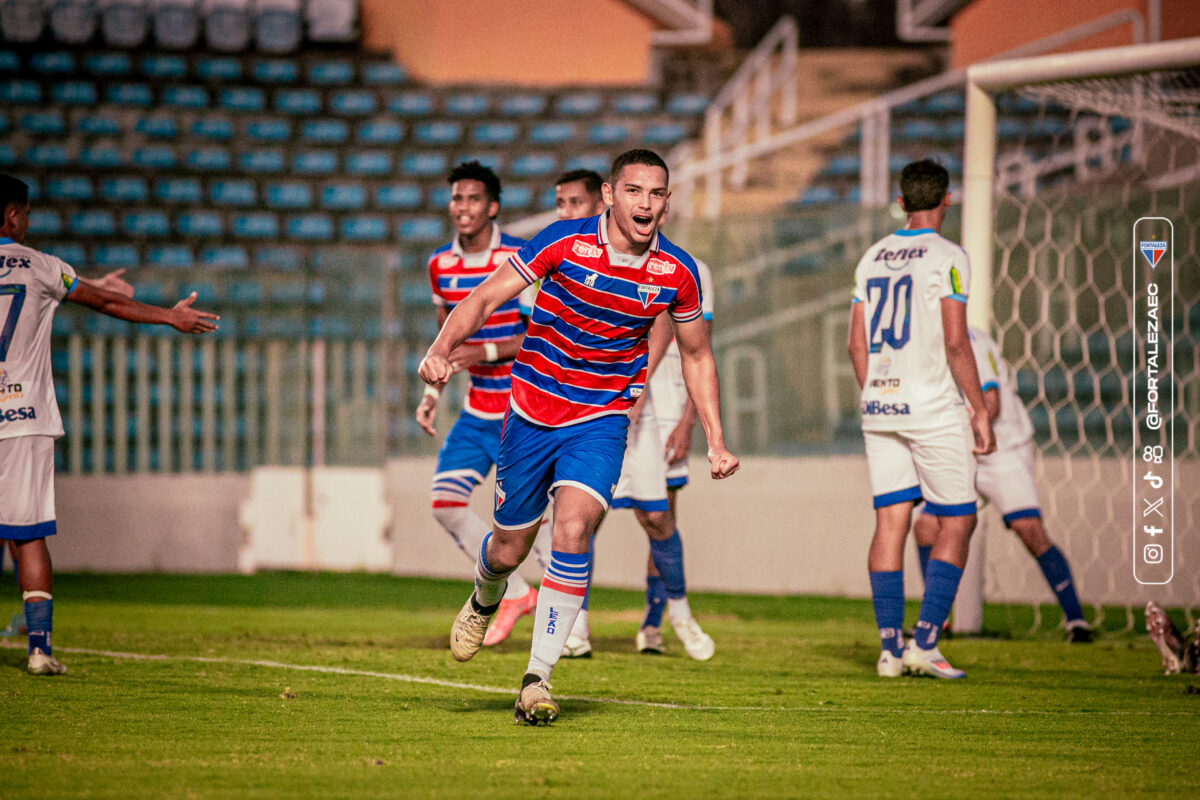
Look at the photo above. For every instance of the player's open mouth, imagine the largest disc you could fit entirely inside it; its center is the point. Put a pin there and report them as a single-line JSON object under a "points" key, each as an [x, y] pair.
{"points": [[643, 221]]}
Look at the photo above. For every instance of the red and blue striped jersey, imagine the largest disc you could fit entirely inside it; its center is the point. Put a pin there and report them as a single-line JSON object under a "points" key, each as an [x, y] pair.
{"points": [[586, 350], [452, 276]]}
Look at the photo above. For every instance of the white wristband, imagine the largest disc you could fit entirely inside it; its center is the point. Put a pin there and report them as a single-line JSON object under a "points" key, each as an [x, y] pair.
{"points": [[432, 391], [490, 351]]}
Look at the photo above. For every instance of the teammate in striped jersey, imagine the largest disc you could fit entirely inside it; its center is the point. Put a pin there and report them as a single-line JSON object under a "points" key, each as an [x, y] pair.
{"points": [[32, 285], [1005, 479], [470, 449], [578, 374]]}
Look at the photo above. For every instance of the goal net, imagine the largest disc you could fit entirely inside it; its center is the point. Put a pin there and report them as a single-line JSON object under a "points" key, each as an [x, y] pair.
{"points": [[1078, 161]]}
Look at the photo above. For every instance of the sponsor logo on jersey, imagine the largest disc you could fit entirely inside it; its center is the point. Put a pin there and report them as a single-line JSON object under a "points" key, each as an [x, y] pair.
{"points": [[888, 385], [585, 250], [648, 291], [552, 623], [447, 260], [903, 255], [656, 266], [635, 391], [1153, 251], [9, 263], [17, 414], [590, 280], [9, 389], [874, 408]]}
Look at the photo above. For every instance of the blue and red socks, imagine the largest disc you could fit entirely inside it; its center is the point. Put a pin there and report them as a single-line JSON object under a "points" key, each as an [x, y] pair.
{"points": [[560, 598], [887, 595], [941, 585], [39, 616], [1058, 575]]}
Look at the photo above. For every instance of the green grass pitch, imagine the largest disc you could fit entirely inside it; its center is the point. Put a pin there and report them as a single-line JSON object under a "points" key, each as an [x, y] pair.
{"points": [[789, 707]]}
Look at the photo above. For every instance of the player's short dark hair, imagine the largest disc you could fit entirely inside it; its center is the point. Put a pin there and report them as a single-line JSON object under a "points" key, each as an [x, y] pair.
{"points": [[474, 171], [646, 158], [923, 184], [590, 179], [12, 190]]}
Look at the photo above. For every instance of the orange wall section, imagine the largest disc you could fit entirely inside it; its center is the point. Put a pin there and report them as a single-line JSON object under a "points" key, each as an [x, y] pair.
{"points": [[986, 28], [519, 42]]}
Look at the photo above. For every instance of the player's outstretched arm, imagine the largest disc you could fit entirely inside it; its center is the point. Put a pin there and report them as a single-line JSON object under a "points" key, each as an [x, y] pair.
{"points": [[467, 317], [857, 345], [961, 360], [182, 317], [112, 281], [700, 377]]}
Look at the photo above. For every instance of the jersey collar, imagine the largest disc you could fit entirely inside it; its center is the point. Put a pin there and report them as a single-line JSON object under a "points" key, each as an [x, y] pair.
{"points": [[914, 231], [602, 234], [6, 240], [456, 245]]}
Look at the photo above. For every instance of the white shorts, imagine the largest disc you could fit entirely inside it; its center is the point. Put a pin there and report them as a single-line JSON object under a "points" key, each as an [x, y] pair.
{"points": [[27, 488], [668, 394], [931, 463], [1005, 479], [643, 481]]}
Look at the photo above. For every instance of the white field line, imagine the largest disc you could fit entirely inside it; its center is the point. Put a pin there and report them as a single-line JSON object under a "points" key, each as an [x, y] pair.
{"points": [[472, 687]]}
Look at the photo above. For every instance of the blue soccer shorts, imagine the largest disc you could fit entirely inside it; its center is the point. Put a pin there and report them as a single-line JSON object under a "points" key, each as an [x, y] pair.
{"points": [[535, 460], [465, 458]]}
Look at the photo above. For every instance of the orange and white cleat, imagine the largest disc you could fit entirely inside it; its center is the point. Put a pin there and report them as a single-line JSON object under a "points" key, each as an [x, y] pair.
{"points": [[507, 615]]}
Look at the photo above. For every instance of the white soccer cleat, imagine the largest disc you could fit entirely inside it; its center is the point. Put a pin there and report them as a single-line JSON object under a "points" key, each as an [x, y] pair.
{"points": [[929, 662], [1165, 636], [468, 630], [44, 664], [649, 640], [578, 644], [535, 706], [889, 665], [698, 644]]}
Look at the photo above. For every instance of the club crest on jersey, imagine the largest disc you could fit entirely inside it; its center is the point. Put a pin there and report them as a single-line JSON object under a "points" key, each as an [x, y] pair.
{"points": [[447, 260], [1153, 251], [585, 250], [590, 280], [647, 292], [656, 266]]}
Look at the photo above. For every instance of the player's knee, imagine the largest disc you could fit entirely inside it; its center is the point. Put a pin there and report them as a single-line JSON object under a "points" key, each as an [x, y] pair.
{"points": [[659, 525], [925, 530]]}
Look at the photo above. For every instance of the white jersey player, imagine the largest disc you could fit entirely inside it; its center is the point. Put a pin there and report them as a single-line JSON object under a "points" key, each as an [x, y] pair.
{"points": [[32, 284], [1006, 480], [913, 360]]}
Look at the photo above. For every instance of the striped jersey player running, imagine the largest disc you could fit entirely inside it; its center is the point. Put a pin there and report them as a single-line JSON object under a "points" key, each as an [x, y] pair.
{"points": [[578, 374], [913, 360]]}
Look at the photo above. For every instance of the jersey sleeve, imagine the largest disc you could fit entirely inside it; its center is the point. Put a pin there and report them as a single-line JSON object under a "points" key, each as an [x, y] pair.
{"points": [[706, 289], [60, 277], [436, 291], [686, 306], [858, 294], [954, 278], [987, 360], [542, 254]]}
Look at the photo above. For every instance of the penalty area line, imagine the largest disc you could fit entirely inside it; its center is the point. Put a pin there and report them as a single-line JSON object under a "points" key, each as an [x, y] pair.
{"points": [[618, 701]]}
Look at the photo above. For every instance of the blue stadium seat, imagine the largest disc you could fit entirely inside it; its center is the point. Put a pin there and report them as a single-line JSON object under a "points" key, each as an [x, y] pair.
{"points": [[353, 103], [226, 26], [9, 61], [496, 133], [93, 223], [331, 73], [100, 156], [531, 165], [217, 129], [149, 293], [954, 130], [256, 225], [218, 68], [635, 103], [275, 70], [98, 125], [129, 94], [8, 156], [116, 256], [664, 134], [687, 104], [124, 22], [421, 229], [74, 93], [3, 123], [206, 293], [166, 68], [46, 123], [242, 98], [551, 133], [854, 194], [269, 129], [1009, 128], [146, 223], [369, 163], [48, 155], [52, 62], [818, 195], [843, 165], [897, 162], [157, 156], [607, 133], [438, 133], [546, 198], [517, 197], [177, 24], [246, 293], [200, 223], [158, 127], [594, 162], [108, 65], [124, 190], [921, 129], [239, 193], [322, 327], [325, 131], [578, 103], [383, 73], [74, 187], [289, 195], [423, 164], [314, 162], [287, 259], [19, 92], [185, 97], [310, 227], [364, 229], [277, 29], [439, 196], [45, 222], [304, 102], [409, 104], [946, 103], [1047, 126], [173, 256], [343, 196], [269, 161], [467, 104], [381, 132], [398, 196], [70, 252], [182, 191]]}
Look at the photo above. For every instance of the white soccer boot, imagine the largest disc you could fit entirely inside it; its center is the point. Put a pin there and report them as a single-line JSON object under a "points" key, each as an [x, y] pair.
{"points": [[535, 706], [889, 666], [579, 643], [44, 664], [1165, 636], [468, 630], [649, 640], [929, 662], [698, 644]]}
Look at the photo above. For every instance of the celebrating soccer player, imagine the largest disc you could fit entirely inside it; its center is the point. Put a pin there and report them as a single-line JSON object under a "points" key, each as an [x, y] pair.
{"points": [[580, 370], [32, 284], [913, 361]]}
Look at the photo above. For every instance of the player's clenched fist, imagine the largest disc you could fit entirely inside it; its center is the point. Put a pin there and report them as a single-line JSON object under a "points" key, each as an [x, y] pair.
{"points": [[435, 369], [722, 462]]}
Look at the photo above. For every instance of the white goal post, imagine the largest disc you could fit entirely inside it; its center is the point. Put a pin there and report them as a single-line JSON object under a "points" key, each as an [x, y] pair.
{"points": [[980, 187]]}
